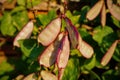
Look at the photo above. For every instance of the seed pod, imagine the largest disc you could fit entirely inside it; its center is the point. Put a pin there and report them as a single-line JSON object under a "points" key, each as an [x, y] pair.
{"points": [[48, 57], [25, 33], [95, 10], [48, 76], [108, 55], [103, 15], [60, 73], [64, 50], [31, 76], [85, 49], [73, 33], [49, 34], [114, 9]]}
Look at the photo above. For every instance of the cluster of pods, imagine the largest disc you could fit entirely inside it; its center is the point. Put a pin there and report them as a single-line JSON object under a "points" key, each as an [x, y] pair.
{"points": [[58, 44]]}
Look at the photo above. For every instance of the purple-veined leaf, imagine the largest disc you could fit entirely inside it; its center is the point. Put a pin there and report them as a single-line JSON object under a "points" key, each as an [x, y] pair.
{"points": [[25, 33], [49, 34], [114, 9], [48, 75], [103, 15], [108, 55], [48, 57], [85, 49], [64, 50], [73, 33], [95, 10]]}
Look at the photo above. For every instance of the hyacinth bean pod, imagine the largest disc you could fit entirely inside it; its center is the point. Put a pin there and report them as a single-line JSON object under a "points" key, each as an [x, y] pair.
{"points": [[48, 76], [85, 49], [48, 57], [25, 33], [108, 55], [114, 8], [95, 10], [73, 33], [64, 51], [49, 34]]}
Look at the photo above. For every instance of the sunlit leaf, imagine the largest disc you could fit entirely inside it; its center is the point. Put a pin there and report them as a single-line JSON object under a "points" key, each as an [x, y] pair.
{"points": [[5, 67], [31, 3], [74, 18], [21, 2], [90, 63], [100, 33], [46, 18], [72, 70], [17, 9], [20, 18], [7, 27], [116, 22]]}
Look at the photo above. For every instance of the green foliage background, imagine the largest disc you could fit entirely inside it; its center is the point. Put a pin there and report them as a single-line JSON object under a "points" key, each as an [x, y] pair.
{"points": [[78, 67]]}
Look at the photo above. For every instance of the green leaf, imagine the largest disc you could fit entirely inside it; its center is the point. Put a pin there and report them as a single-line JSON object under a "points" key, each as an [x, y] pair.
{"points": [[31, 3], [116, 55], [100, 33], [75, 52], [6, 77], [83, 13], [7, 27], [94, 76], [107, 42], [90, 63], [74, 18], [111, 75], [115, 21], [86, 36], [20, 19], [30, 48], [46, 18], [21, 2], [72, 70], [17, 9], [5, 67]]}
